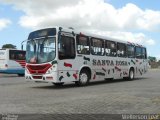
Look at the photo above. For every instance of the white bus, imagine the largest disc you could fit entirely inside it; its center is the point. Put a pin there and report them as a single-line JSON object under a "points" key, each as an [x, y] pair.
{"points": [[12, 61], [58, 55]]}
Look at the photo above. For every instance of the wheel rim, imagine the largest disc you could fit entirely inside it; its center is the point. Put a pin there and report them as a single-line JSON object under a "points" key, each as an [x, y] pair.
{"points": [[83, 78], [131, 74]]}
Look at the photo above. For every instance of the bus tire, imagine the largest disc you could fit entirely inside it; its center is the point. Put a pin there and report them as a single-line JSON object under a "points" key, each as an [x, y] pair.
{"points": [[131, 74], [20, 75], [84, 78], [58, 84]]}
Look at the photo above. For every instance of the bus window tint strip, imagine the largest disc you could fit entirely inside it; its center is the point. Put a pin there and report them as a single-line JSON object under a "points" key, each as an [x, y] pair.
{"points": [[42, 33]]}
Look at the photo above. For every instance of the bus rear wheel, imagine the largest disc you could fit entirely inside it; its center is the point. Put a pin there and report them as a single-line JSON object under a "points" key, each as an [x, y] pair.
{"points": [[83, 78]]}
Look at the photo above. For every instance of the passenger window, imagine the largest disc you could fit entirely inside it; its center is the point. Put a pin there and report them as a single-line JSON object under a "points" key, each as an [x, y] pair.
{"points": [[130, 51], [144, 53], [110, 48], [121, 50], [17, 55], [138, 52], [97, 46], [66, 48], [83, 45]]}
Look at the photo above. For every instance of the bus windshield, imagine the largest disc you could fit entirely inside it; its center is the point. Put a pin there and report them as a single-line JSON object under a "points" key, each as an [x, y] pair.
{"points": [[41, 50]]}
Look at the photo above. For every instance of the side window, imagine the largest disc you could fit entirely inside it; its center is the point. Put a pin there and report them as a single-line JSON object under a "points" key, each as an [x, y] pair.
{"points": [[138, 52], [21, 55], [97, 46], [130, 51], [83, 45], [12, 55], [16, 55], [66, 48], [110, 48], [121, 50], [144, 53]]}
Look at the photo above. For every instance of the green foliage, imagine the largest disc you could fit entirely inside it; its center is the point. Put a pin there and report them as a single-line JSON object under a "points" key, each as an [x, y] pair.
{"points": [[9, 46], [152, 59]]}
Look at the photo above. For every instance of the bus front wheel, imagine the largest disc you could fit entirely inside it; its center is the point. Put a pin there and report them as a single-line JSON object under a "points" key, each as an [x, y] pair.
{"points": [[20, 75], [83, 78], [58, 84], [131, 74]]}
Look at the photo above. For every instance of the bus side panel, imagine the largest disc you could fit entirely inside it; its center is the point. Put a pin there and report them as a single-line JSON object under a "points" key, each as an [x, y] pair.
{"points": [[121, 67], [11, 67], [102, 67], [68, 69], [14, 67], [109, 67], [3, 60], [13, 64], [141, 67]]}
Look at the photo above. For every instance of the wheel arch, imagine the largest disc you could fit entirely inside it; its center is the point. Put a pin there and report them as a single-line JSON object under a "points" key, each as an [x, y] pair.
{"points": [[86, 68], [132, 68]]}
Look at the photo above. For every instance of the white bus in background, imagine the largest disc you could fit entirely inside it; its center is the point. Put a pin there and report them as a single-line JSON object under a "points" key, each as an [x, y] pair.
{"points": [[59, 55], [12, 61]]}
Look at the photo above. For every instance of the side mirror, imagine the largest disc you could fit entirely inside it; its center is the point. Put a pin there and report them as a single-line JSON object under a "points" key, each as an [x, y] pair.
{"points": [[21, 47], [22, 43]]}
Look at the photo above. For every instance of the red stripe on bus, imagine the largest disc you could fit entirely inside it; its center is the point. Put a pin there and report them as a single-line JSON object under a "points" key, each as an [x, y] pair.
{"points": [[21, 62]]}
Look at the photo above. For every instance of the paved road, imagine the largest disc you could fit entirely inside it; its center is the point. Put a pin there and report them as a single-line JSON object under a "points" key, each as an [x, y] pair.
{"points": [[139, 96]]}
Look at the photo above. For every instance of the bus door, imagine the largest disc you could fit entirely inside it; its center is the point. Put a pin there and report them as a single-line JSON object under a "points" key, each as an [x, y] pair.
{"points": [[121, 63], [66, 57], [141, 62]]}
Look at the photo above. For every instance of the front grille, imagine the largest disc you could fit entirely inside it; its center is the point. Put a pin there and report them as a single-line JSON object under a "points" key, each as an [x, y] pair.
{"points": [[37, 77], [38, 69]]}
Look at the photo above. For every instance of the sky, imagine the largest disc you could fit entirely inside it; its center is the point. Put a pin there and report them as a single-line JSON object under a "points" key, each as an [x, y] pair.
{"points": [[130, 20]]}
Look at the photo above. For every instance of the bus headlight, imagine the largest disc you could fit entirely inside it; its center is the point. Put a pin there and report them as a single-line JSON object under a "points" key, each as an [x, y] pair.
{"points": [[26, 70], [48, 71]]}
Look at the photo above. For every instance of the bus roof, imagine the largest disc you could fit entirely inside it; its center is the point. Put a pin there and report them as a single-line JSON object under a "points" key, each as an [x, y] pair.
{"points": [[70, 29], [100, 36]]}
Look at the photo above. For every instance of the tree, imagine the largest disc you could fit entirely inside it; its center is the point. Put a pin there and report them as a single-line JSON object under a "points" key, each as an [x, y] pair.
{"points": [[152, 59], [159, 62], [10, 46]]}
